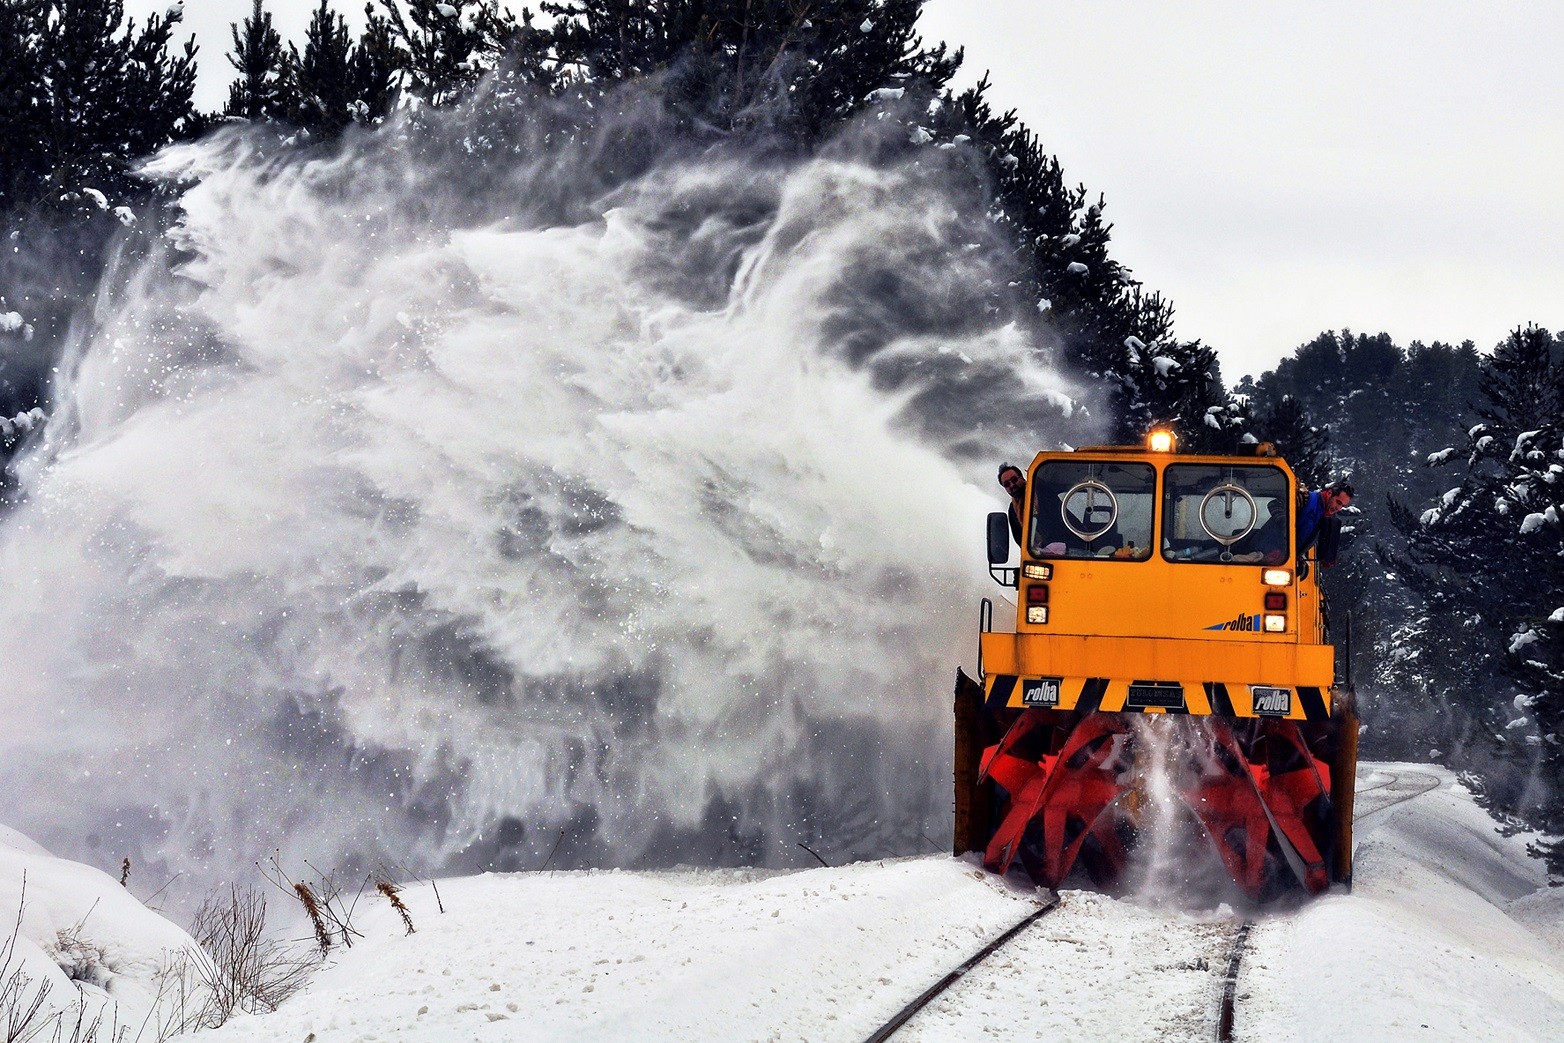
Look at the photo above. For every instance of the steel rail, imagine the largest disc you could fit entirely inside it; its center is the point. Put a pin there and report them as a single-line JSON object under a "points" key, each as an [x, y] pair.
{"points": [[1433, 783], [1224, 1017], [904, 1015]]}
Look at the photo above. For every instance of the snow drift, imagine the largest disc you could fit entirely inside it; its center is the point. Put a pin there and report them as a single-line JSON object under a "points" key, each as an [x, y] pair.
{"points": [[77, 944]]}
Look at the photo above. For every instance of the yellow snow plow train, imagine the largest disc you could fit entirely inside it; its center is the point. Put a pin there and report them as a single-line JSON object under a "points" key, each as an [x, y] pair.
{"points": [[1156, 582]]}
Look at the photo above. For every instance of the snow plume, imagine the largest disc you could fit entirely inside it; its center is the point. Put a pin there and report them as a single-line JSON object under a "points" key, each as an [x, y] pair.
{"points": [[1174, 863], [463, 511]]}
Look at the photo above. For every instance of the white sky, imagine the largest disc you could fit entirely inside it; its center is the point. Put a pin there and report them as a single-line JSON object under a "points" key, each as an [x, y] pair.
{"points": [[1275, 169]]}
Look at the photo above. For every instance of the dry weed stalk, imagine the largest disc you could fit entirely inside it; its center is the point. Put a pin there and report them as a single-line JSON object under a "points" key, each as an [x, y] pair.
{"points": [[312, 906], [401, 869], [330, 912], [392, 893], [21, 1009]]}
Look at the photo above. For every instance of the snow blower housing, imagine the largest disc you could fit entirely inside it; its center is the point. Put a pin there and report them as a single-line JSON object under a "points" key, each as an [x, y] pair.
{"points": [[1154, 582]]}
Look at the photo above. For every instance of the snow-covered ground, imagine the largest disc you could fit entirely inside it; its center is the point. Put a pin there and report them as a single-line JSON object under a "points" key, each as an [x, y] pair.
{"points": [[72, 933], [1449, 934]]}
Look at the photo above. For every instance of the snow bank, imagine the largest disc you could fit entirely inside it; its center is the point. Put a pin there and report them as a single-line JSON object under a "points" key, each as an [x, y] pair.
{"points": [[811, 955], [84, 938], [1449, 934]]}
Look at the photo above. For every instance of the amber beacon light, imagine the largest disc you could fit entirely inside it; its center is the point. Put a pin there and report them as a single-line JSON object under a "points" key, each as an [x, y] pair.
{"points": [[1160, 440]]}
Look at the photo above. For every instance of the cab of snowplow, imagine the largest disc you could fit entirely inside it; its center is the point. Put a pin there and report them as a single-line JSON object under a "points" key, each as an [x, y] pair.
{"points": [[1152, 582], [1124, 545]]}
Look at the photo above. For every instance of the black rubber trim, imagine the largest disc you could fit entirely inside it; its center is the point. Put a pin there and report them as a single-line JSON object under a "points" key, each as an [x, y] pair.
{"points": [[1313, 704], [999, 695], [1221, 702], [1091, 694]]}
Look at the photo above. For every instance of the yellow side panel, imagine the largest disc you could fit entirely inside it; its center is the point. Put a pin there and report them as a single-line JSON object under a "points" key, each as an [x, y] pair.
{"points": [[1160, 659]]}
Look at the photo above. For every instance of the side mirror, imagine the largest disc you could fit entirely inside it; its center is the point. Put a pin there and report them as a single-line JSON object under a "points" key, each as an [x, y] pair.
{"points": [[998, 538]]}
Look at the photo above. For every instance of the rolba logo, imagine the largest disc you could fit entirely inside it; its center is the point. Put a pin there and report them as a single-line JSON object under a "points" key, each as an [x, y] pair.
{"points": [[1272, 702], [1244, 621], [1043, 691]]}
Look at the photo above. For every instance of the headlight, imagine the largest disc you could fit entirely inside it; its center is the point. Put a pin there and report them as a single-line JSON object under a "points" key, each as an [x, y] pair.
{"points": [[1037, 613], [1275, 624], [1032, 570], [1277, 578]]}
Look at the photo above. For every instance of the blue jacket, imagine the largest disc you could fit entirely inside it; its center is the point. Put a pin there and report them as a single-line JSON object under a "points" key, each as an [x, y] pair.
{"points": [[1310, 514], [1317, 531]]}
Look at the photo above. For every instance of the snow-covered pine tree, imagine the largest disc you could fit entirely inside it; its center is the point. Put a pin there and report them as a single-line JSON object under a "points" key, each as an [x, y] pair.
{"points": [[444, 47], [372, 67], [86, 122], [777, 65], [1179, 384], [81, 99], [1488, 563], [264, 89], [159, 86], [1111, 332], [1303, 444], [111, 98], [24, 99]]}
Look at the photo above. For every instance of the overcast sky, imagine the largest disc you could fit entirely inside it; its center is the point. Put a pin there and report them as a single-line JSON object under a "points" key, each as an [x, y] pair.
{"points": [[1274, 168]]}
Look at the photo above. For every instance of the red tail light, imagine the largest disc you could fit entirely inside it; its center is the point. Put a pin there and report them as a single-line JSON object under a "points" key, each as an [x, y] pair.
{"points": [[1037, 594], [1275, 601]]}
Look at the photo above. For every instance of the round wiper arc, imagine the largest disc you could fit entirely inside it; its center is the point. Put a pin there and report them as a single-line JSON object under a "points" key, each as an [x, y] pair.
{"points": [[1092, 498], [1228, 513]]}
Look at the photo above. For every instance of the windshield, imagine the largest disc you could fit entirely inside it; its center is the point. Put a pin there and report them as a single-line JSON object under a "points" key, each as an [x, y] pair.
{"points": [[1092, 509], [1225, 515]]}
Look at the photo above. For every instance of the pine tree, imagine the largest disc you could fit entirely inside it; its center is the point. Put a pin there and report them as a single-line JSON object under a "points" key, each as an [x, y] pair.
{"points": [[1304, 446], [158, 87], [1488, 563], [84, 60], [373, 68], [24, 98], [324, 84], [264, 89], [81, 99], [799, 69], [110, 99], [444, 47], [1110, 331]]}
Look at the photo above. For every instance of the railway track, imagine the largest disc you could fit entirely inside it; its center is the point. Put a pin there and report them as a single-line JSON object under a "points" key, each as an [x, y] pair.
{"points": [[1400, 787], [1224, 1015], [1045, 977], [905, 1015]]}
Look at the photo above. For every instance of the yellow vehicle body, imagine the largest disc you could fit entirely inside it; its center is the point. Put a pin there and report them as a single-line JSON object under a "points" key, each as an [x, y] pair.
{"points": [[1156, 582], [1113, 622]]}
